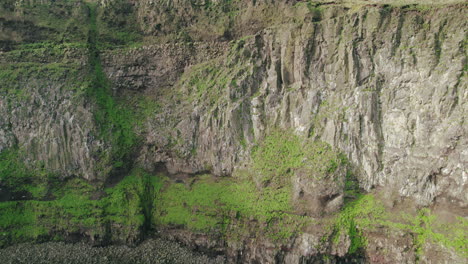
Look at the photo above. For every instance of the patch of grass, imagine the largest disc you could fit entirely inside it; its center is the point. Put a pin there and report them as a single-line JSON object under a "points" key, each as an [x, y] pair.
{"points": [[47, 51], [208, 204], [426, 228], [282, 153], [33, 178], [351, 189], [367, 213], [15, 76], [206, 81], [23, 221], [145, 109], [58, 21], [277, 156], [195, 208], [17, 223], [127, 202], [362, 214], [117, 25], [12, 170], [213, 205], [124, 209]]}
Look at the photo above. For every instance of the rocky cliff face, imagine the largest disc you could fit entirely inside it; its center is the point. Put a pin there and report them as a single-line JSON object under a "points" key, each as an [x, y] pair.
{"points": [[380, 85], [354, 111]]}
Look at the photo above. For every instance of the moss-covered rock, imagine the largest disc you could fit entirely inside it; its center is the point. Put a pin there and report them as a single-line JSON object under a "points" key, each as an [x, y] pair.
{"points": [[75, 208]]}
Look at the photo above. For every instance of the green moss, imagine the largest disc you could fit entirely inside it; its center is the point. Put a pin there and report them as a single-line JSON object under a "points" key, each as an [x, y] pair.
{"points": [[32, 68], [364, 213], [145, 108], [211, 205], [195, 208], [282, 153], [116, 25], [57, 21], [277, 155], [452, 235], [22, 221], [208, 205], [48, 51], [206, 82], [427, 228], [12, 170], [74, 211], [367, 213], [115, 120], [351, 189], [15, 77], [32, 180], [127, 202], [17, 223]]}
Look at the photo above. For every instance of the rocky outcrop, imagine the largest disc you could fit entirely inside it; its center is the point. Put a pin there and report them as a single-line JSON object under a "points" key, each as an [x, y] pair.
{"points": [[43, 111], [46, 118]]}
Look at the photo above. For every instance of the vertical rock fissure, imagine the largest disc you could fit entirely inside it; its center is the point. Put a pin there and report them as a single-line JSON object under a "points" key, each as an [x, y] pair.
{"points": [[397, 39], [147, 199], [114, 120], [115, 125]]}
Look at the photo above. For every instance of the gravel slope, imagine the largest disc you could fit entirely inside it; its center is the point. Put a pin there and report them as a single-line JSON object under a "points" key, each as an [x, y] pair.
{"points": [[150, 251]]}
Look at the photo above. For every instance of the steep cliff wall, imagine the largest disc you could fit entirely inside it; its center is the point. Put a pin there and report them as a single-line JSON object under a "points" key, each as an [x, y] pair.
{"points": [[386, 86], [381, 84], [44, 79], [340, 125]]}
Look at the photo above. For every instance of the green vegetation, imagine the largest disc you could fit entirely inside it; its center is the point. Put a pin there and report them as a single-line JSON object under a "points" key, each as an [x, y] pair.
{"points": [[364, 213], [115, 120], [228, 207], [57, 62], [367, 213], [74, 211], [17, 177], [57, 21], [48, 51], [316, 11], [12, 171], [277, 156], [71, 212], [208, 205], [147, 108], [131, 201], [427, 228], [196, 208], [282, 153], [231, 207], [57, 209], [25, 69], [351, 188], [206, 82], [257, 202], [14, 76]]}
